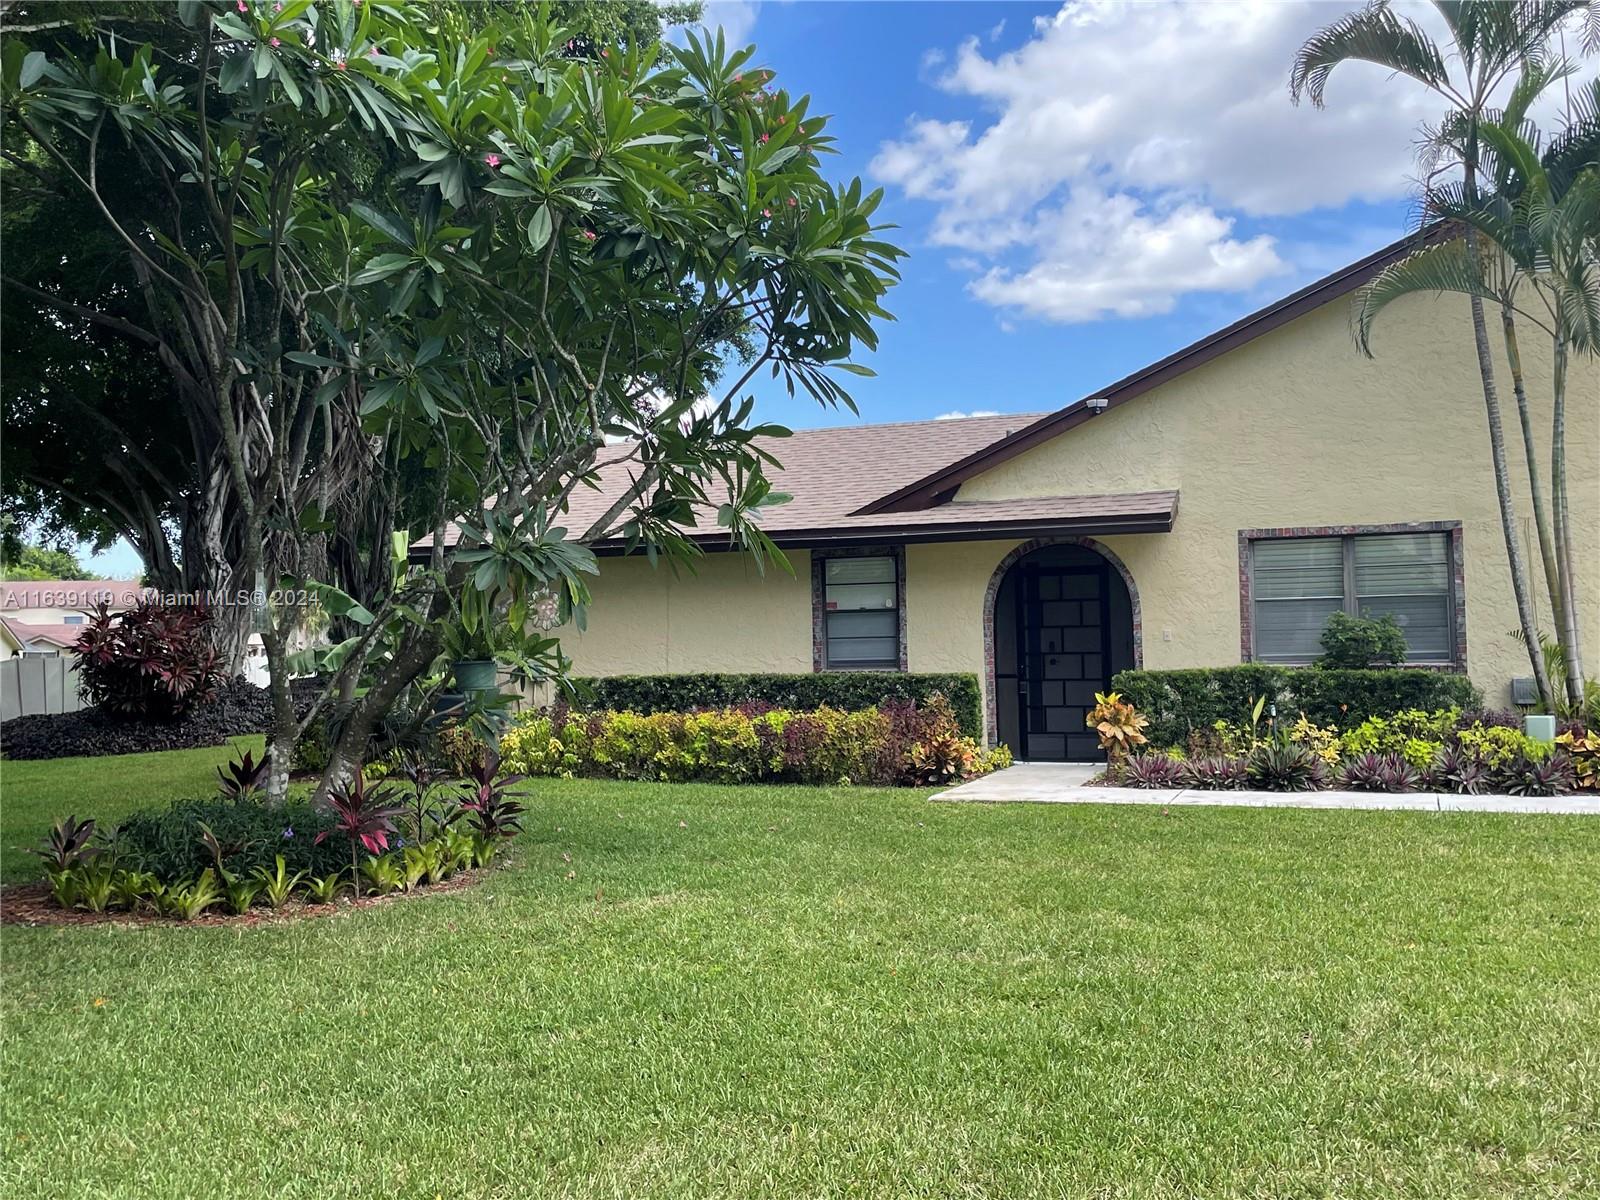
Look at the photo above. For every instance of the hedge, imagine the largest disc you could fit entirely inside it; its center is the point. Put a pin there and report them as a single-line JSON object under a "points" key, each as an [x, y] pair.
{"points": [[851, 691], [1177, 701]]}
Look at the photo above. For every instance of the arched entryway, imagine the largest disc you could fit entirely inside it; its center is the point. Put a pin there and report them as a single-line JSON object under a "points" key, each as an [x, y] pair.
{"points": [[1061, 617]]}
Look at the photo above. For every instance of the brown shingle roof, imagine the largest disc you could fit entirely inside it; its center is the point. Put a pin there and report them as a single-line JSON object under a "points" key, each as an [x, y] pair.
{"points": [[831, 473]]}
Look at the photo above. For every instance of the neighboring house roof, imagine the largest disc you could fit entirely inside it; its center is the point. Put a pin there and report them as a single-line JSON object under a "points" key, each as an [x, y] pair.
{"points": [[71, 593], [25, 632], [943, 481]]}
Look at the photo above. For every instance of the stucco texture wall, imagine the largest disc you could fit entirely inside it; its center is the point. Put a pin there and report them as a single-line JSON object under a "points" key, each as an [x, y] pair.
{"points": [[1298, 429], [724, 616]]}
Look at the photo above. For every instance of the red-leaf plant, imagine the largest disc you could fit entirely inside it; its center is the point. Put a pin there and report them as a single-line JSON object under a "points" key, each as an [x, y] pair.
{"points": [[365, 816], [153, 660], [487, 807]]}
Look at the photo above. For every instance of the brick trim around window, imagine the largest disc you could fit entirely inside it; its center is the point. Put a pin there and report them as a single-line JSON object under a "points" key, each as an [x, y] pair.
{"points": [[819, 611], [1457, 576]]}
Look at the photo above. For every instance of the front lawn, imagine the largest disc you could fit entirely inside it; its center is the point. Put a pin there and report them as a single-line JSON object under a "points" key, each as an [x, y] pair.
{"points": [[698, 990]]}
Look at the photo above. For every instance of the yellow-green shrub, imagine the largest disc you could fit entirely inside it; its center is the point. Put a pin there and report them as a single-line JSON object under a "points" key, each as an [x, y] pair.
{"points": [[889, 745], [1497, 747]]}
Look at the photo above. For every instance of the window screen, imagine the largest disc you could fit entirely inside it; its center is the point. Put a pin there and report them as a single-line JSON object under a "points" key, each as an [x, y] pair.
{"points": [[1299, 582], [861, 598]]}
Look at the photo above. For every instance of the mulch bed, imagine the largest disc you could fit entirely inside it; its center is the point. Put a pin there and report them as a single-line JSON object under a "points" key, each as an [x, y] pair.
{"points": [[30, 904], [238, 709]]}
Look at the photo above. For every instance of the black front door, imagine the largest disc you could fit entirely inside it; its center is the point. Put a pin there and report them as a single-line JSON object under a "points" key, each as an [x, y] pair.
{"points": [[1064, 618]]}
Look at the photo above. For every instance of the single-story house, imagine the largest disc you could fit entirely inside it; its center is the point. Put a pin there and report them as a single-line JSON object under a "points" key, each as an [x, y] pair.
{"points": [[40, 617], [25, 639], [1214, 507]]}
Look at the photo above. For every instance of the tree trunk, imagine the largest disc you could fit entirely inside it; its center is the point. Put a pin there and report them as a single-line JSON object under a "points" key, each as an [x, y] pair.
{"points": [[1570, 630], [285, 729], [1502, 484], [1541, 516], [345, 756]]}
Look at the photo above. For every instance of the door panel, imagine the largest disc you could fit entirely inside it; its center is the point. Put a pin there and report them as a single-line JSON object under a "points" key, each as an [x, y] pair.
{"points": [[1064, 627]]}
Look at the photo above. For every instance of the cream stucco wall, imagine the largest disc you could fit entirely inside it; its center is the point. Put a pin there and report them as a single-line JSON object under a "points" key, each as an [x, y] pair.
{"points": [[1298, 429], [725, 616], [1293, 429]]}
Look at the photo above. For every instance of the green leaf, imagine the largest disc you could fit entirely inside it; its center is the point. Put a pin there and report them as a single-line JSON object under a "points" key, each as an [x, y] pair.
{"points": [[539, 228], [32, 69], [307, 358], [382, 222]]}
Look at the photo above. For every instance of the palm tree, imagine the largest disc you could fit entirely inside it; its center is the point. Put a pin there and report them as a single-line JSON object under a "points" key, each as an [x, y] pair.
{"points": [[1491, 41], [1540, 223]]}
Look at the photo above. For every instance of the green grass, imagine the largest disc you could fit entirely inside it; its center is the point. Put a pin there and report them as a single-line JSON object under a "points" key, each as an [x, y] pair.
{"points": [[36, 794], [797, 992]]}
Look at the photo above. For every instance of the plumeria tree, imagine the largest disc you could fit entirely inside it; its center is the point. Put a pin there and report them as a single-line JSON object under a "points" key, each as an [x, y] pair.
{"points": [[395, 267]]}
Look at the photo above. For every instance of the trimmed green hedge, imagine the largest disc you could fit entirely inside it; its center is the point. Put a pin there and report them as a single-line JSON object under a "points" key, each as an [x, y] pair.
{"points": [[847, 690], [1177, 701]]}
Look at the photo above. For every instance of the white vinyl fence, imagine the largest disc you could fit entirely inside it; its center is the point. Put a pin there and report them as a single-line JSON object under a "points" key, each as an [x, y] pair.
{"points": [[31, 685]]}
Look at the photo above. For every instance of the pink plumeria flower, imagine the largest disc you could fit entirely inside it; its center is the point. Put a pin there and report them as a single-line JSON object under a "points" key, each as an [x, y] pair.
{"points": [[765, 138], [766, 212], [491, 161], [276, 42], [605, 54], [241, 6], [589, 235], [372, 52], [738, 78], [783, 120], [339, 64], [792, 202]]}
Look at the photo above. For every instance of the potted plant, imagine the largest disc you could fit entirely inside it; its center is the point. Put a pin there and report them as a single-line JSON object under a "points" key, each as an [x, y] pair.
{"points": [[472, 657]]}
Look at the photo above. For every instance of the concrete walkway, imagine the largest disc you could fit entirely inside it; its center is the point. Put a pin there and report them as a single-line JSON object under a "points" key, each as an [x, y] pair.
{"points": [[1064, 783]]}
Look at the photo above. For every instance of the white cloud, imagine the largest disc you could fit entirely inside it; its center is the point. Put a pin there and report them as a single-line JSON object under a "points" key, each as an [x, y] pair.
{"points": [[962, 416], [1102, 254], [1122, 144], [736, 17]]}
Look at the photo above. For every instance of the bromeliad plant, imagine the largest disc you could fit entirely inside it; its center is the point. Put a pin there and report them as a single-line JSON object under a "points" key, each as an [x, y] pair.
{"points": [[365, 816], [1118, 724], [279, 883]]}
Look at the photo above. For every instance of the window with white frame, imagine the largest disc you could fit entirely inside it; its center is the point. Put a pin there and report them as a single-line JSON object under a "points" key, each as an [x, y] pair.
{"points": [[861, 612], [1297, 583]]}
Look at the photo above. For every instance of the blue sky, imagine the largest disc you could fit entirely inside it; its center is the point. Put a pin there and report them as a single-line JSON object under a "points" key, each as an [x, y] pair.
{"points": [[1082, 187], [1060, 308]]}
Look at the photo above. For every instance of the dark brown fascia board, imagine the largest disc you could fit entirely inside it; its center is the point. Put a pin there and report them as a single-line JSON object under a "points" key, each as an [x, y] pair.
{"points": [[965, 531], [941, 485], [1156, 521]]}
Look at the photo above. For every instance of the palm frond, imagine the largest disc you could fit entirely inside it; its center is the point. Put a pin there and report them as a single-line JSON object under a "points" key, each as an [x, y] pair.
{"points": [[1374, 35], [1434, 270]]}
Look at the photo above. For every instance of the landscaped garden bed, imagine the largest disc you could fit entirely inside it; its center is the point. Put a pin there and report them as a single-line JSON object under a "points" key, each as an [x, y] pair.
{"points": [[236, 853], [237, 709], [891, 743], [1265, 748]]}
